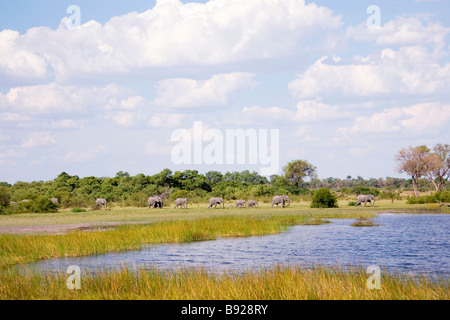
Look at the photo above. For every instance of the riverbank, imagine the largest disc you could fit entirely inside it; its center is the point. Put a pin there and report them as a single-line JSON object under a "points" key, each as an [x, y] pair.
{"points": [[66, 220]]}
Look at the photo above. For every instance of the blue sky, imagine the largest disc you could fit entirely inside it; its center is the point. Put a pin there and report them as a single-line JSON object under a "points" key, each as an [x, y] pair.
{"points": [[108, 95]]}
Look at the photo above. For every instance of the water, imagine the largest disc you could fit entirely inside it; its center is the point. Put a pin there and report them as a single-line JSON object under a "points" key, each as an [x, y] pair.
{"points": [[417, 244]]}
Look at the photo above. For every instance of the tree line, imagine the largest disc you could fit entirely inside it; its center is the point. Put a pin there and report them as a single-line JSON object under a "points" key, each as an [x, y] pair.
{"points": [[429, 171]]}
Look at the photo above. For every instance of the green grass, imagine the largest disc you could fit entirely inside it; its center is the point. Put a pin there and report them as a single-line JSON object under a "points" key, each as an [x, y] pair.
{"points": [[316, 222], [278, 283], [364, 222], [116, 213]]}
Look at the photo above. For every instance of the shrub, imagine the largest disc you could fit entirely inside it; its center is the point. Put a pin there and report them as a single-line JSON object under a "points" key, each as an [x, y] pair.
{"points": [[78, 210], [323, 198], [352, 203], [432, 198], [43, 205], [364, 222], [5, 198]]}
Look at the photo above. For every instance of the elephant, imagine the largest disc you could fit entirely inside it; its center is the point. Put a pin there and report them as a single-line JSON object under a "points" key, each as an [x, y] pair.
{"points": [[365, 198], [101, 202], [240, 203], [252, 203], [54, 200], [155, 202], [216, 201], [181, 202], [281, 199]]}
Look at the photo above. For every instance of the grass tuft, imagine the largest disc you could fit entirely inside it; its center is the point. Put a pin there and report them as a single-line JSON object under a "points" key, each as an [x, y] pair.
{"points": [[364, 222]]}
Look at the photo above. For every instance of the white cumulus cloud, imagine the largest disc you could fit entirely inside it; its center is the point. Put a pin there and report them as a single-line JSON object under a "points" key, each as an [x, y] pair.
{"points": [[56, 98], [18, 62], [409, 70], [216, 91], [423, 118], [403, 31], [170, 34]]}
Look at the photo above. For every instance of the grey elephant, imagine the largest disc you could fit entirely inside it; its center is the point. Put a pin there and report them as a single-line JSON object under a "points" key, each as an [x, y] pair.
{"points": [[155, 202], [216, 201], [365, 198], [101, 202], [181, 202], [281, 199], [54, 200], [252, 203], [240, 203]]}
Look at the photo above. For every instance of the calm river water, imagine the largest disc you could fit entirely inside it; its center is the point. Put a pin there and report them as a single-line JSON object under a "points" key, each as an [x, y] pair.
{"points": [[419, 244]]}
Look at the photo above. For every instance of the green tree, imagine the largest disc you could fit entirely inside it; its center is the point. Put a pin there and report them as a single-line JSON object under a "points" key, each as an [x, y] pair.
{"points": [[417, 162], [440, 173], [5, 198], [297, 170], [163, 179], [213, 177]]}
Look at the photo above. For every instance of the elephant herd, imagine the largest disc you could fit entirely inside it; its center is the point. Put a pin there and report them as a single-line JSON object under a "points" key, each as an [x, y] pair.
{"points": [[157, 202], [250, 203]]}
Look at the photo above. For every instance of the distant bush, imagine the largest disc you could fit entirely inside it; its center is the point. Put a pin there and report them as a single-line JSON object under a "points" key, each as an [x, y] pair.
{"points": [[78, 210], [323, 198], [365, 190], [43, 205], [432, 198], [351, 203], [5, 198], [390, 194]]}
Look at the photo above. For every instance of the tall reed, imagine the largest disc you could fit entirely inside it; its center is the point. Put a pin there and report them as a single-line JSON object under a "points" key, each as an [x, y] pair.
{"points": [[278, 283]]}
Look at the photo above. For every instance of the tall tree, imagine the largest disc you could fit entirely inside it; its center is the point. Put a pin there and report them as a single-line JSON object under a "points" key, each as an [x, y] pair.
{"points": [[417, 162], [5, 198], [297, 170], [440, 173]]}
